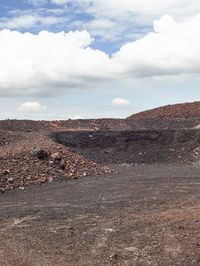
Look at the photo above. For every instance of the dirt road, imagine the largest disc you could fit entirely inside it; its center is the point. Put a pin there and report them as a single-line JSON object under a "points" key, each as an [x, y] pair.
{"points": [[142, 215]]}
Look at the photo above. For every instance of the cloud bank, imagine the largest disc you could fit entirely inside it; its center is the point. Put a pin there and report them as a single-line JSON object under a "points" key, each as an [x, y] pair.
{"points": [[47, 63]]}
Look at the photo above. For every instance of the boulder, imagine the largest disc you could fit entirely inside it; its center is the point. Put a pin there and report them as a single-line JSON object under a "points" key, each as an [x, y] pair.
{"points": [[39, 153]]}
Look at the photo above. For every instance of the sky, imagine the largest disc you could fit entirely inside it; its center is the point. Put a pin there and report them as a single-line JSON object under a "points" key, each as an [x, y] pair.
{"points": [[73, 59]]}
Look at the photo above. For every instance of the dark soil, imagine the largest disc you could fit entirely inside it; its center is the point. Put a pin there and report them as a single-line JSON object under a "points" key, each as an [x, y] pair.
{"points": [[135, 146], [142, 215]]}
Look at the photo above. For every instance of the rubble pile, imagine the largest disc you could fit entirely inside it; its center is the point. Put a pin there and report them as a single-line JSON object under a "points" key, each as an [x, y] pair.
{"points": [[181, 111], [36, 158]]}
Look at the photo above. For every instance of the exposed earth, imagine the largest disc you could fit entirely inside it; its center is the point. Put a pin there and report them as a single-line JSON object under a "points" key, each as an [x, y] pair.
{"points": [[137, 201], [180, 111], [141, 215]]}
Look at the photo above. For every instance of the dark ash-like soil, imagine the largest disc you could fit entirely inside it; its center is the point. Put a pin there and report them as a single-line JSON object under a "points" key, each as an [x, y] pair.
{"points": [[135, 146], [144, 215]]}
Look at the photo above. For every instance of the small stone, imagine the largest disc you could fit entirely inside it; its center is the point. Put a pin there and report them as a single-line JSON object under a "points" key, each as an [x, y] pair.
{"points": [[39, 153], [6, 172], [51, 162], [62, 164], [113, 257], [43, 179], [49, 178], [56, 156], [10, 179]]}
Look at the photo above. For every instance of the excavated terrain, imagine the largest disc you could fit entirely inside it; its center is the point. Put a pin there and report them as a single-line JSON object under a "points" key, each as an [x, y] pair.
{"points": [[135, 146], [137, 202]]}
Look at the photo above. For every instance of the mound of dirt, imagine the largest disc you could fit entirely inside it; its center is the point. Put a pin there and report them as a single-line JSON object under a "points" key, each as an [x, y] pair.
{"points": [[181, 111], [35, 158]]}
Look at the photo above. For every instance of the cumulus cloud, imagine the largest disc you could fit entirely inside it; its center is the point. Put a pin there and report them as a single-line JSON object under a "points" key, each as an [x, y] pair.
{"points": [[31, 107], [120, 102], [49, 63], [172, 49]]}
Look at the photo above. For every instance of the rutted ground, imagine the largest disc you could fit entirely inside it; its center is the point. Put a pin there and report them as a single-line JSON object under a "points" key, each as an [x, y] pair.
{"points": [[142, 215]]}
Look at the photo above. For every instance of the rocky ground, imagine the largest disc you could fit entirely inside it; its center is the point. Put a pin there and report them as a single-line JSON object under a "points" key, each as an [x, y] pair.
{"points": [[40, 151], [179, 111], [34, 157], [137, 202], [137, 216]]}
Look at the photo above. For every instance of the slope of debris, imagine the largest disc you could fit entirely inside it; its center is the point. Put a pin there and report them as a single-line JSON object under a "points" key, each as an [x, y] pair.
{"points": [[135, 146], [29, 153], [34, 157], [181, 111]]}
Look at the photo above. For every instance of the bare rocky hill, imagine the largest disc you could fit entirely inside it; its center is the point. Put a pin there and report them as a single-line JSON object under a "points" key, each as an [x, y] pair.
{"points": [[181, 111]]}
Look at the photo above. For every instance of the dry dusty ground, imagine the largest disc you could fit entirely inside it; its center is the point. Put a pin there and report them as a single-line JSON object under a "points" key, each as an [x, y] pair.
{"points": [[142, 215]]}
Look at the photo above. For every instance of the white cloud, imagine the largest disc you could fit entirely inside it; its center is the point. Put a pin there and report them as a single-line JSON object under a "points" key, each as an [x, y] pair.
{"points": [[28, 21], [38, 2], [60, 2], [128, 16], [99, 27], [172, 49], [77, 117], [153, 8], [70, 116], [120, 102], [48, 63], [31, 107]]}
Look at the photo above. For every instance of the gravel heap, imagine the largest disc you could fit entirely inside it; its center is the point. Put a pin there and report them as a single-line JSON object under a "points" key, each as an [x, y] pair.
{"points": [[182, 111], [35, 158]]}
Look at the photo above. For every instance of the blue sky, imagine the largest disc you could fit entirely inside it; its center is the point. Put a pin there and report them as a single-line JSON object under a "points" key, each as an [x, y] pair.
{"points": [[63, 59]]}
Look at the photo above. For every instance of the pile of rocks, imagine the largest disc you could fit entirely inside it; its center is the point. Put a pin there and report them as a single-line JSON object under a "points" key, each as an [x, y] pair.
{"points": [[38, 159]]}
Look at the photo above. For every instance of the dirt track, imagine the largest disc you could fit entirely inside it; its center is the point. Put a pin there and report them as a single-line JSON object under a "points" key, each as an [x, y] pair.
{"points": [[143, 215]]}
